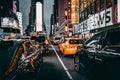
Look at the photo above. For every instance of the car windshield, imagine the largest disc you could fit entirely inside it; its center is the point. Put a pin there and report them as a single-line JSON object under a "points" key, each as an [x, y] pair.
{"points": [[113, 38], [73, 41]]}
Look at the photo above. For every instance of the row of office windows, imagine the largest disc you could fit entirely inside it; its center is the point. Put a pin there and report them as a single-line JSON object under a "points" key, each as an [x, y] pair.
{"points": [[89, 7]]}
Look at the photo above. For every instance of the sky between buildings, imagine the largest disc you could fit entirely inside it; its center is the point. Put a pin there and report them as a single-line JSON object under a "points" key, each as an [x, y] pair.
{"points": [[48, 4], [25, 9]]}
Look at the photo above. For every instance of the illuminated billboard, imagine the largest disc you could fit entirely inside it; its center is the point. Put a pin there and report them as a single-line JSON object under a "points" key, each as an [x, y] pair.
{"points": [[9, 22], [74, 11]]}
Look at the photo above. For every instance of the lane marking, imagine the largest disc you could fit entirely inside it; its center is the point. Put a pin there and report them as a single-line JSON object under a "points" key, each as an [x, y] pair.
{"points": [[69, 75]]}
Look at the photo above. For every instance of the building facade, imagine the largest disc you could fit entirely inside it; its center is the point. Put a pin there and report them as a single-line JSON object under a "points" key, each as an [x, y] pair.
{"points": [[68, 12], [9, 23], [97, 15]]}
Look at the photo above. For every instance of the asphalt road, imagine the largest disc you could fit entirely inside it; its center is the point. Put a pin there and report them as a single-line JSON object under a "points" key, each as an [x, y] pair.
{"points": [[55, 67]]}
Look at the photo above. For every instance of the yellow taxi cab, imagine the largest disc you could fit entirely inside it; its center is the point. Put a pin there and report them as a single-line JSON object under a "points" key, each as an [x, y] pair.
{"points": [[70, 45]]}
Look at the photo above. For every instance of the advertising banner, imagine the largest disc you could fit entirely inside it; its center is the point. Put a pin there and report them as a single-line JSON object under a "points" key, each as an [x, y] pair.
{"points": [[9, 22]]}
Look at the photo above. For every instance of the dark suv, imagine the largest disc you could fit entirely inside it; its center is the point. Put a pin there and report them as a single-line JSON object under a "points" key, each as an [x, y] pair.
{"points": [[100, 56]]}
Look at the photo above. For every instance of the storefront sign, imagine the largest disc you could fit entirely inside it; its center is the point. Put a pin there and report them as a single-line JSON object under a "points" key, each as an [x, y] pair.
{"points": [[98, 20]]}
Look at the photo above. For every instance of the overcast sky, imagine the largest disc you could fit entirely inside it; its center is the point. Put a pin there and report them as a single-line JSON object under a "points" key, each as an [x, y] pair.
{"points": [[25, 9], [47, 13]]}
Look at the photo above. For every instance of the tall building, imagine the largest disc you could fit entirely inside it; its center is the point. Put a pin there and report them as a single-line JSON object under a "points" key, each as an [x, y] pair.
{"points": [[68, 12], [61, 10], [32, 17]]}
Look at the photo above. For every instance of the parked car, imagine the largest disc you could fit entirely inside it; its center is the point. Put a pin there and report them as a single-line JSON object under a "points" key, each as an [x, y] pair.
{"points": [[99, 57], [12, 60], [70, 45]]}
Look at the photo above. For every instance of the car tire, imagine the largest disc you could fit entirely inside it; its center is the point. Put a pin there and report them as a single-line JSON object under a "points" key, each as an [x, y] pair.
{"points": [[81, 68]]}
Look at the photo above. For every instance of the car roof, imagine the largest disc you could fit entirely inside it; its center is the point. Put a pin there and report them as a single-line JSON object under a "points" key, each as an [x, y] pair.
{"points": [[112, 29], [75, 38]]}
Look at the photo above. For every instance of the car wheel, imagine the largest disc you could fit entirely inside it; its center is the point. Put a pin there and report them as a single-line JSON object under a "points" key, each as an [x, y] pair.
{"points": [[79, 67], [83, 68]]}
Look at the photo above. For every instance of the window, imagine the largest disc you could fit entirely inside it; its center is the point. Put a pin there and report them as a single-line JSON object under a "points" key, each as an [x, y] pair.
{"points": [[81, 41], [57, 38], [82, 16], [92, 8], [73, 41], [112, 38], [70, 26], [102, 5], [6, 44], [115, 1], [84, 4], [109, 3], [115, 49], [94, 41], [85, 14], [88, 11], [97, 6]]}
